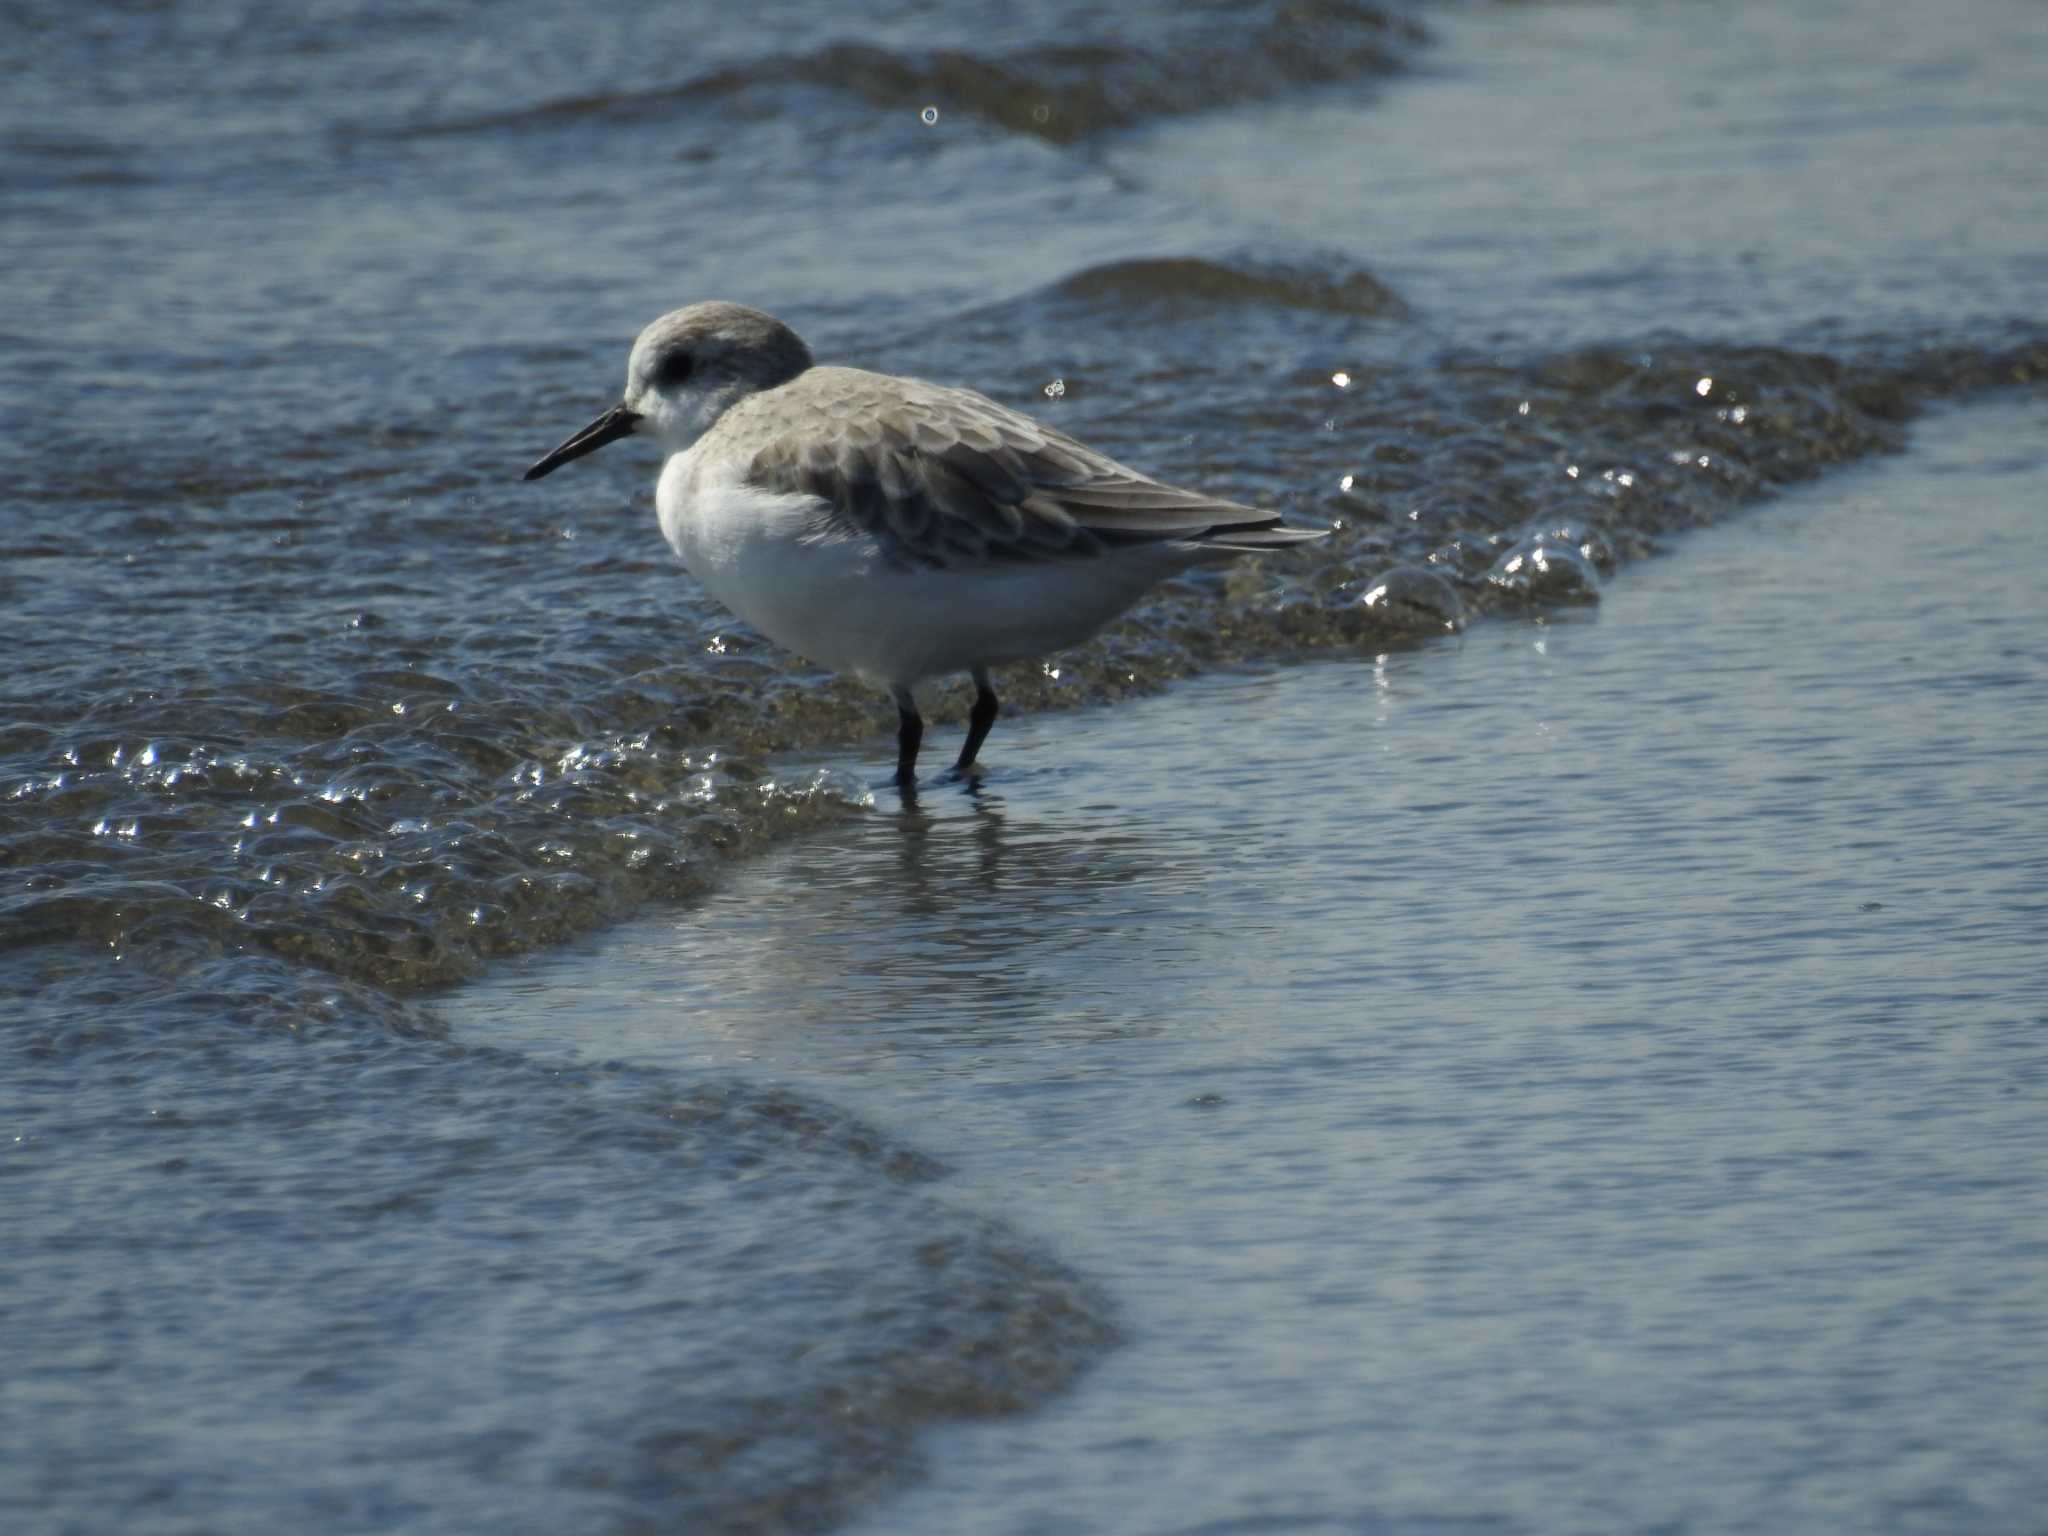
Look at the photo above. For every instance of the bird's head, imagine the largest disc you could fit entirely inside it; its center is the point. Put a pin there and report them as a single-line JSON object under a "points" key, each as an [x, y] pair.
{"points": [[686, 370]]}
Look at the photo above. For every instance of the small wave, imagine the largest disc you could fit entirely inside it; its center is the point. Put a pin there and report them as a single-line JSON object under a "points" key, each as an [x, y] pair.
{"points": [[1329, 289], [1057, 92], [360, 803]]}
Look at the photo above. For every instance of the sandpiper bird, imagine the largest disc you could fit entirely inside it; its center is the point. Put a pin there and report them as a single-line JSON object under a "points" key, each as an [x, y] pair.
{"points": [[889, 527]]}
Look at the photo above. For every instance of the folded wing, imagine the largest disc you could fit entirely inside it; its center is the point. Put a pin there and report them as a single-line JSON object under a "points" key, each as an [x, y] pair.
{"points": [[945, 477]]}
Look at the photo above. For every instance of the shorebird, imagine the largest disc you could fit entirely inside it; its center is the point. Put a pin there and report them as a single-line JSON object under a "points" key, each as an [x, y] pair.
{"points": [[889, 527]]}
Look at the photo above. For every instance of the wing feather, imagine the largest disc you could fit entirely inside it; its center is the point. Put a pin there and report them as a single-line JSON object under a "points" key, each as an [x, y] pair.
{"points": [[945, 477]]}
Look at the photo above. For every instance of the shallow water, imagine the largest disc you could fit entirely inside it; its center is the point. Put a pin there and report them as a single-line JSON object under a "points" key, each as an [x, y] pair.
{"points": [[1821, 172], [312, 713], [1584, 1076]]}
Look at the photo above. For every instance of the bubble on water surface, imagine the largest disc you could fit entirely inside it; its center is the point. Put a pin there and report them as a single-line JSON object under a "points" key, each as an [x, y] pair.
{"points": [[1465, 554], [1585, 537], [1546, 570], [1414, 601]]}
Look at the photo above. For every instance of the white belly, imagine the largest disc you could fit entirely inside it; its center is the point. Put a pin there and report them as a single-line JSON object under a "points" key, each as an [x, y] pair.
{"points": [[837, 601]]}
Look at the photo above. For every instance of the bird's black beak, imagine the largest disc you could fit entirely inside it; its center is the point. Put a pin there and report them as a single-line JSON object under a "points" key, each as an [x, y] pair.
{"points": [[614, 424]]}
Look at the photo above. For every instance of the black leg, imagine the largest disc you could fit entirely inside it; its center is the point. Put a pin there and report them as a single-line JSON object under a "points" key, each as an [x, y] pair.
{"points": [[909, 732], [979, 719]]}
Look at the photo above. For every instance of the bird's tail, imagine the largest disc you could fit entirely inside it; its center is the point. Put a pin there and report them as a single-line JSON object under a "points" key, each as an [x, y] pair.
{"points": [[1250, 538]]}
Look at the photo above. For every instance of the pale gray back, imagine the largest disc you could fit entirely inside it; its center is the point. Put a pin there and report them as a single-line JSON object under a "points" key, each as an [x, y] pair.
{"points": [[946, 477]]}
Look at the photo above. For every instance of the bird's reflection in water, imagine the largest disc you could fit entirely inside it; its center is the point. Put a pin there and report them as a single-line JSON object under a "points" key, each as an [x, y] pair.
{"points": [[929, 826], [946, 912]]}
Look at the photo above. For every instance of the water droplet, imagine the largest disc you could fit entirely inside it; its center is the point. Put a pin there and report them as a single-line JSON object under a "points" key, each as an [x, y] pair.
{"points": [[1704, 388], [1345, 483], [1055, 389], [1341, 379], [1041, 113], [931, 115]]}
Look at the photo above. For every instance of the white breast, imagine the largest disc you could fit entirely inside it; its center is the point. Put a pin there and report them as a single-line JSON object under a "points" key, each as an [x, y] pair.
{"points": [[774, 559], [766, 556]]}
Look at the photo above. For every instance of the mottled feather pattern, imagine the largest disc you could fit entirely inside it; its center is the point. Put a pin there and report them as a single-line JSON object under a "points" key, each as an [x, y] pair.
{"points": [[944, 477]]}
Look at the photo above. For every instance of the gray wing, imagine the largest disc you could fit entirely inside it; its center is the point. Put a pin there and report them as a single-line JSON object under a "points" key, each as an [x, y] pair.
{"points": [[948, 477]]}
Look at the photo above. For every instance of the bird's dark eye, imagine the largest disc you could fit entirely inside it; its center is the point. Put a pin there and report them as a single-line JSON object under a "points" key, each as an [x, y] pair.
{"points": [[670, 369]]}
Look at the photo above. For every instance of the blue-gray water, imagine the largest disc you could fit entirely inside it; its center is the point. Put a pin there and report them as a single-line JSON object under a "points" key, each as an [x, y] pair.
{"points": [[1588, 1077], [1582, 1075]]}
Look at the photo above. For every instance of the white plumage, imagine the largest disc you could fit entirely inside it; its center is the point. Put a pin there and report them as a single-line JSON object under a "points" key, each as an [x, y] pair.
{"points": [[892, 528]]}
